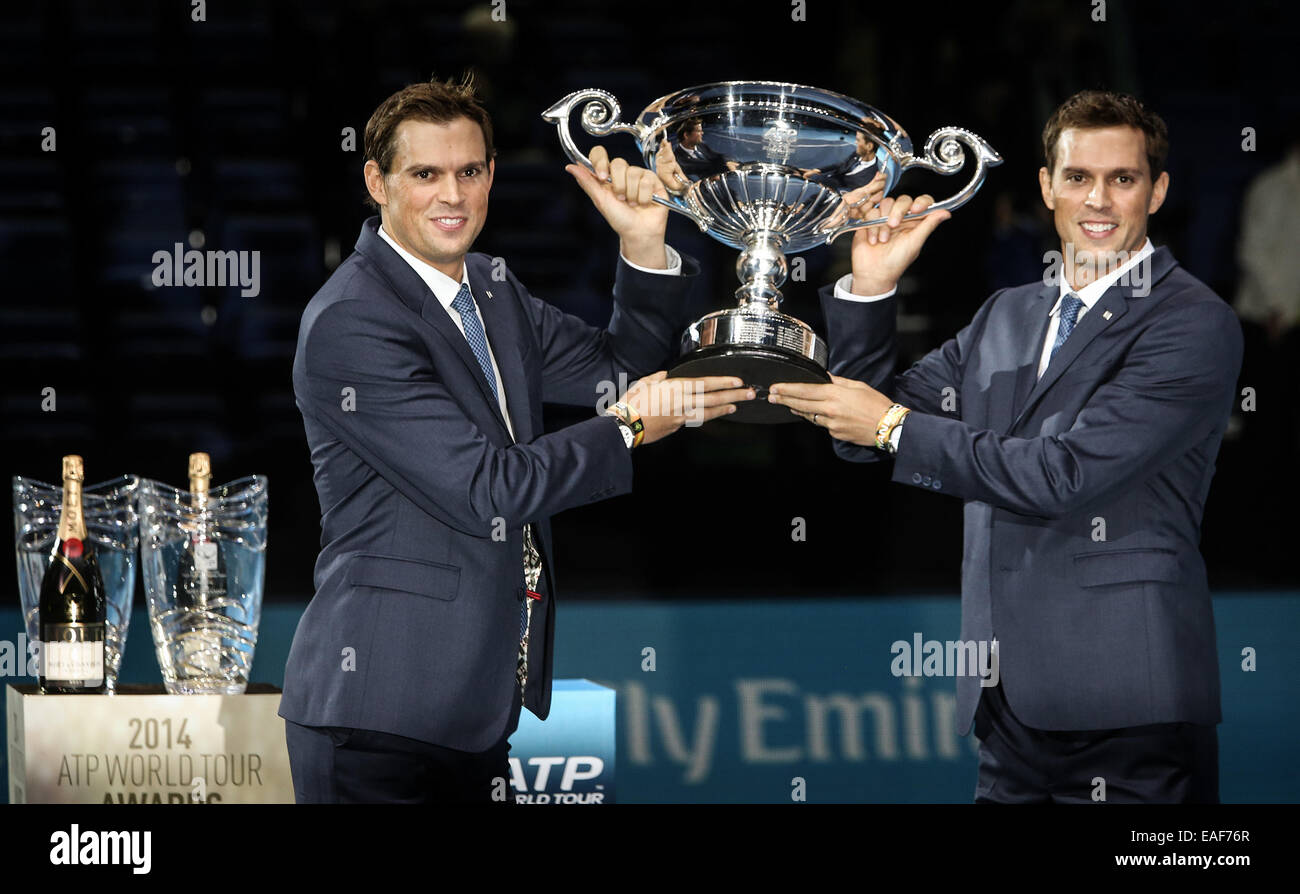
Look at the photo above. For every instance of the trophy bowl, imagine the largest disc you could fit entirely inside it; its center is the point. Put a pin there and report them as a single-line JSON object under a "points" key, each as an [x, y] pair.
{"points": [[764, 167]]}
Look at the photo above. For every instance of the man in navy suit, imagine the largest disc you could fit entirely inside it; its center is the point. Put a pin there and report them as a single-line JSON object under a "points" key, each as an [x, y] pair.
{"points": [[696, 159], [854, 172], [1079, 422], [420, 372]]}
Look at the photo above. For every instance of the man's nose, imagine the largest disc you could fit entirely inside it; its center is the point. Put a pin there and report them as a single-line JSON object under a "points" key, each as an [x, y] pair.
{"points": [[1098, 197], [449, 190]]}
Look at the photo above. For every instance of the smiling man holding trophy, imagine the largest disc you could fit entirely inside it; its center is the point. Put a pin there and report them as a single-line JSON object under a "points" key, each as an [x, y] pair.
{"points": [[1078, 419]]}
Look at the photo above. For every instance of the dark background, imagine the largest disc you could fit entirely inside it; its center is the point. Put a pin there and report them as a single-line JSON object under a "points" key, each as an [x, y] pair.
{"points": [[227, 134]]}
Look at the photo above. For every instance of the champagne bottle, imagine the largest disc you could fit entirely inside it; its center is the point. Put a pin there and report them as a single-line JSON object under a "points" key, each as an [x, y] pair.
{"points": [[201, 581], [73, 610]]}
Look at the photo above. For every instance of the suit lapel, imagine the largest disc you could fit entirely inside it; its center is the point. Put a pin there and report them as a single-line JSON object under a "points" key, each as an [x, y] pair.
{"points": [[436, 315], [412, 291], [1036, 314], [502, 324], [1108, 310]]}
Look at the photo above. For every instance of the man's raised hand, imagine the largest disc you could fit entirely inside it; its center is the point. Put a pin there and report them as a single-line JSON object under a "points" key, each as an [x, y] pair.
{"points": [[624, 195], [882, 253]]}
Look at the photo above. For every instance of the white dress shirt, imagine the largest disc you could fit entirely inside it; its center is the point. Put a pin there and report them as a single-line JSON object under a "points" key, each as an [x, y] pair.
{"points": [[445, 289], [1089, 295]]}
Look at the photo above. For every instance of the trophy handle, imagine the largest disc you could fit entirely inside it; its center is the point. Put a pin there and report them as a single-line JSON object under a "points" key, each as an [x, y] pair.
{"points": [[943, 156], [599, 118]]}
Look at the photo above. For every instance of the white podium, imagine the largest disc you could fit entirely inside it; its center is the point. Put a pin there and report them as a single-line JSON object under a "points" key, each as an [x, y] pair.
{"points": [[142, 746]]}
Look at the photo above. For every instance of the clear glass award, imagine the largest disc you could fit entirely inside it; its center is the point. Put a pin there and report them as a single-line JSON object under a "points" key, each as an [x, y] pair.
{"points": [[110, 513], [203, 557]]}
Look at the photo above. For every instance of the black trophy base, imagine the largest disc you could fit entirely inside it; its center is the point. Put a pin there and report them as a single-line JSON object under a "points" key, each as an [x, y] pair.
{"points": [[759, 368]]}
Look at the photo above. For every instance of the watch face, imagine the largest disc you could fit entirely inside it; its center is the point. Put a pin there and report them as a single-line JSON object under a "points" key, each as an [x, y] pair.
{"points": [[627, 434]]}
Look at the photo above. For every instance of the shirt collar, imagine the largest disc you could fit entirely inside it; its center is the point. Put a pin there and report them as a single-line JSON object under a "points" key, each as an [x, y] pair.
{"points": [[1093, 291], [444, 288]]}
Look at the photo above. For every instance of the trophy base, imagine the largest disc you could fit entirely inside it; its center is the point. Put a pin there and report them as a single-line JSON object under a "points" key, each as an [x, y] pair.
{"points": [[759, 345], [759, 368]]}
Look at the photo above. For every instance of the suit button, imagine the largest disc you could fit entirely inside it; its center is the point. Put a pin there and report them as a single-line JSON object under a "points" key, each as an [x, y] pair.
{"points": [[936, 484], [916, 477], [926, 480]]}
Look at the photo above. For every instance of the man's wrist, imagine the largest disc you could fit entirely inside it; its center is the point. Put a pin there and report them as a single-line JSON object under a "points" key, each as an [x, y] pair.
{"points": [[892, 444], [629, 421], [651, 255], [626, 432], [865, 287], [892, 418], [844, 291]]}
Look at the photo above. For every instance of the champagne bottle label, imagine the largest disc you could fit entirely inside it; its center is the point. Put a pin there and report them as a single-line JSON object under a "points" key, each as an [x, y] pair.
{"points": [[73, 654]]}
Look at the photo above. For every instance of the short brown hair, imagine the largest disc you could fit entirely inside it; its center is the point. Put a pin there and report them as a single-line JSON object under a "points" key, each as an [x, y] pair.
{"points": [[435, 101], [1102, 108]]}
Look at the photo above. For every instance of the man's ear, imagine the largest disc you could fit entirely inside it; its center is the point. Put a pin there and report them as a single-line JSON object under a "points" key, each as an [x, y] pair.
{"points": [[375, 182], [1045, 185], [492, 169], [1158, 191]]}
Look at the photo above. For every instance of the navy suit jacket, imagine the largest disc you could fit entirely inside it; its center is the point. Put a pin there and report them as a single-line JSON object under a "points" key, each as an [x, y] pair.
{"points": [[414, 625], [1123, 427]]}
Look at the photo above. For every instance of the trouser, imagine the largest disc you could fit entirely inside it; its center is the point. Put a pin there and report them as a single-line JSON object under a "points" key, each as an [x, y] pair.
{"points": [[344, 765], [1169, 763]]}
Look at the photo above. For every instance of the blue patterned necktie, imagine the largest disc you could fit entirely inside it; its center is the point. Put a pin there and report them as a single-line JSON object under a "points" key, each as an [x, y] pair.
{"points": [[1069, 316], [475, 335], [463, 304]]}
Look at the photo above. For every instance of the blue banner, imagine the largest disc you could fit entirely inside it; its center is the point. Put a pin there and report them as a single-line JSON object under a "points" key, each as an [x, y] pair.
{"points": [[773, 701]]}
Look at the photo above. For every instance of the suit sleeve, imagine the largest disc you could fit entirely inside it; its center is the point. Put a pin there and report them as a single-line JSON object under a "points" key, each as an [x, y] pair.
{"points": [[864, 347], [1176, 385], [405, 424], [643, 336]]}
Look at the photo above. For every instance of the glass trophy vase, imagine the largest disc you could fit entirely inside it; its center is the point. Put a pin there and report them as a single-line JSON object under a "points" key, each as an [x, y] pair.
{"points": [[203, 563], [110, 512]]}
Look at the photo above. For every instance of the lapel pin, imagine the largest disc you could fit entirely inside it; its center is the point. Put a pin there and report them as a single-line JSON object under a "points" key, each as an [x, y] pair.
{"points": [[489, 294], [1105, 314]]}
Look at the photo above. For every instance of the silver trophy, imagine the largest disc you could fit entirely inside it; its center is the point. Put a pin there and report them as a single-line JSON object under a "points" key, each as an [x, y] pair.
{"points": [[763, 166]]}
